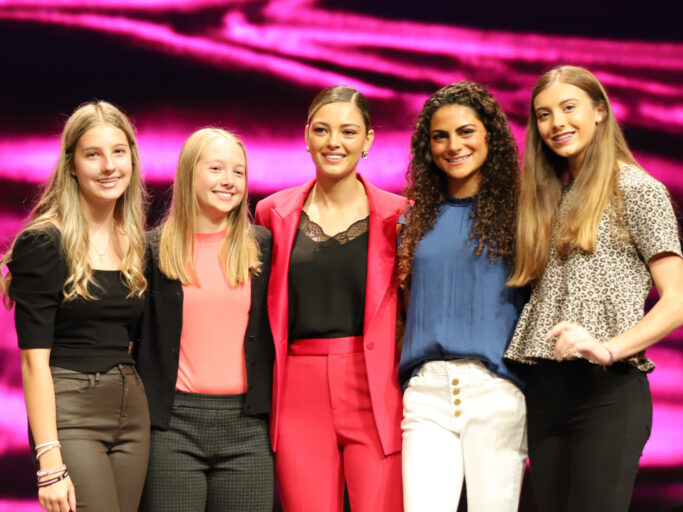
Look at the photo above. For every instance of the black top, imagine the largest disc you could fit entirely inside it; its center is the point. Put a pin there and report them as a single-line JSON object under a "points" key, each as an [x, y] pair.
{"points": [[159, 348], [85, 336], [327, 281]]}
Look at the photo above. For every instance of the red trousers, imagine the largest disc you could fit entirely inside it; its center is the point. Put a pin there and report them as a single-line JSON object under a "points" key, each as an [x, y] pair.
{"points": [[327, 434]]}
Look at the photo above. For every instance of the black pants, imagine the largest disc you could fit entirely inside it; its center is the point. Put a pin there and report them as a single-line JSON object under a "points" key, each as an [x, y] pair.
{"points": [[212, 458], [587, 427]]}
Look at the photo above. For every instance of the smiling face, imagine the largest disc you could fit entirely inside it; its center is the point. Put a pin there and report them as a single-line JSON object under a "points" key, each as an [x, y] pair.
{"points": [[220, 182], [337, 137], [102, 164], [459, 147], [566, 119]]}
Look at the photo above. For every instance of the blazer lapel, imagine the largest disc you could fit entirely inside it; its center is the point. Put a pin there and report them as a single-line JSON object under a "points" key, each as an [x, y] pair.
{"points": [[285, 221], [381, 250]]}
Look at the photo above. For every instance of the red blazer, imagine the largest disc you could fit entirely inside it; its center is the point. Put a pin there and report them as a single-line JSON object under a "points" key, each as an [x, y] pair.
{"points": [[280, 213]]}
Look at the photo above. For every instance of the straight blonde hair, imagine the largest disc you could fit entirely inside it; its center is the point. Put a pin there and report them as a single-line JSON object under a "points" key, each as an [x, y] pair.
{"points": [[543, 176], [239, 254], [60, 206]]}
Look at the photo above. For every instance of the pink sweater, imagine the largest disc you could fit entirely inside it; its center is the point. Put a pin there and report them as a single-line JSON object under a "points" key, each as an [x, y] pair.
{"points": [[214, 322]]}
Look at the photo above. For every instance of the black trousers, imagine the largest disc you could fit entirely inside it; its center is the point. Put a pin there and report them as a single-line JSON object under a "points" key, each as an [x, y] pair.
{"points": [[212, 458], [587, 427]]}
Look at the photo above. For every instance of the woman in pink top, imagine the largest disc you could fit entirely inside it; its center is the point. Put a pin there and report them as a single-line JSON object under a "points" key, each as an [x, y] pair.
{"points": [[206, 352]]}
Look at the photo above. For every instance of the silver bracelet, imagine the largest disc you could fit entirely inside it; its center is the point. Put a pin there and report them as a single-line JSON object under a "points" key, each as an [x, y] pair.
{"points": [[44, 450], [51, 471], [36, 448]]}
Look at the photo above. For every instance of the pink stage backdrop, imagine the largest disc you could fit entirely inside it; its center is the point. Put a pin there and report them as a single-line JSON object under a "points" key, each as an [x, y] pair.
{"points": [[253, 66]]}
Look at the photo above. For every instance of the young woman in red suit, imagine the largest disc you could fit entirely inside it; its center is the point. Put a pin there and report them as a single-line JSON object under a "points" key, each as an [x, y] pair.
{"points": [[332, 300]]}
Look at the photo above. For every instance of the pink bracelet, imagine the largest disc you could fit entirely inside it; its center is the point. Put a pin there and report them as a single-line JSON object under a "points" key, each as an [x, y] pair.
{"points": [[59, 478], [51, 471]]}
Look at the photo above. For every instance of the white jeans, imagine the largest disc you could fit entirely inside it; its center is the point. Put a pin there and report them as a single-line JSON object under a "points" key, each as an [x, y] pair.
{"points": [[460, 420]]}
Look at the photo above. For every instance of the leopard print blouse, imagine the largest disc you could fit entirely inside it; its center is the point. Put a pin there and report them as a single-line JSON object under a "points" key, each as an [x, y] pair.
{"points": [[605, 291]]}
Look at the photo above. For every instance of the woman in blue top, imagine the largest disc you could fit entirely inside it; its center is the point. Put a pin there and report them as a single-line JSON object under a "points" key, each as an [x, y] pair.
{"points": [[464, 412]]}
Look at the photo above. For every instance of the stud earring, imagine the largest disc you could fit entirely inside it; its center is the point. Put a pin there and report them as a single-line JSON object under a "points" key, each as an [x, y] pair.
{"points": [[308, 149], [364, 154]]}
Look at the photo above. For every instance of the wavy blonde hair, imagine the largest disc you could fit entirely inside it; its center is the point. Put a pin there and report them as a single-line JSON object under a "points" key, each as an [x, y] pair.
{"points": [[543, 176], [240, 255], [60, 206]]}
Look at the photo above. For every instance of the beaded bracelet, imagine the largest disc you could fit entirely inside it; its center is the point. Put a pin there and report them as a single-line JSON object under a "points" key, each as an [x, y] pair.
{"points": [[51, 471], [59, 478]]}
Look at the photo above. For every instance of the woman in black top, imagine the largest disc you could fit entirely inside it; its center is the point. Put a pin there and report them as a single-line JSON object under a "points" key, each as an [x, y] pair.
{"points": [[76, 278], [332, 301]]}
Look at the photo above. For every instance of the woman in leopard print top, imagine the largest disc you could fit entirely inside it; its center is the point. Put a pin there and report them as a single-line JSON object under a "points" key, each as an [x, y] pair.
{"points": [[594, 232]]}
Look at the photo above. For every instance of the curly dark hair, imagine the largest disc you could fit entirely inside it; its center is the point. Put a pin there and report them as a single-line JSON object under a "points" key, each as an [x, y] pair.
{"points": [[495, 203]]}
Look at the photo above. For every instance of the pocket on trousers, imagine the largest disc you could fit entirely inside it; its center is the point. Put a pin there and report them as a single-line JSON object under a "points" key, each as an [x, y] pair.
{"points": [[67, 382], [73, 397], [412, 382]]}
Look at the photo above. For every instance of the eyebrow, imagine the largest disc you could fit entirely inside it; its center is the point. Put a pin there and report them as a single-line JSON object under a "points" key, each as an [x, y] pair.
{"points": [[343, 126], [561, 103], [222, 162], [118, 144], [436, 130]]}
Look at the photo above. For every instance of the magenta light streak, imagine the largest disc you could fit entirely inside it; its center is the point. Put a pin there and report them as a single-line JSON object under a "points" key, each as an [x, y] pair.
{"points": [[13, 422], [222, 54], [291, 38], [289, 42], [669, 365], [664, 115], [664, 446], [442, 39], [20, 506], [280, 163], [304, 41], [275, 164], [624, 81], [147, 5], [666, 383], [363, 51]]}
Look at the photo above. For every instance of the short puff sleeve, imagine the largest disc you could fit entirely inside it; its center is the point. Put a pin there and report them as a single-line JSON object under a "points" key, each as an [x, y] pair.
{"points": [[649, 216], [38, 275]]}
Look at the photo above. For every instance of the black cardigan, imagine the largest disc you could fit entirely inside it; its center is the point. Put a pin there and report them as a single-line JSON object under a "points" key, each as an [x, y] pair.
{"points": [[157, 353]]}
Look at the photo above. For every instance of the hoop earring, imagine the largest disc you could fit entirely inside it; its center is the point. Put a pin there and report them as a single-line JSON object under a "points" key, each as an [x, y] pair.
{"points": [[308, 149], [364, 154]]}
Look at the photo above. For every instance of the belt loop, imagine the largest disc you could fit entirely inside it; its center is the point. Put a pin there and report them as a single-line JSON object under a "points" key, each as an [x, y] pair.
{"points": [[97, 377], [91, 380]]}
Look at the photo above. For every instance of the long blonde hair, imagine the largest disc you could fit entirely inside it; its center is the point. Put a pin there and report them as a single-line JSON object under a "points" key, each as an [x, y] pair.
{"points": [[542, 181], [239, 255], [60, 206]]}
